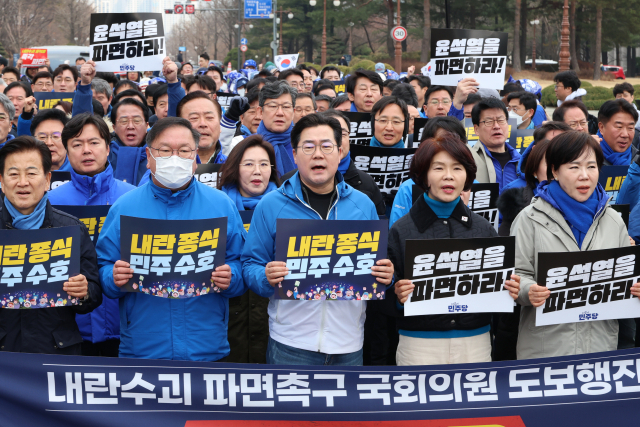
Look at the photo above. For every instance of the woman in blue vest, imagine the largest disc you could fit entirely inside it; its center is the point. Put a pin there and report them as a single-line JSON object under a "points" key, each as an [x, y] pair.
{"points": [[248, 174]]}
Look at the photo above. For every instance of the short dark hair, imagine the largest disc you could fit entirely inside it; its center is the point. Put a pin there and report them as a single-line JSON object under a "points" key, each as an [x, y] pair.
{"points": [[205, 55], [472, 99], [312, 121], [447, 123], [569, 146], [171, 122], [324, 98], [160, 91], [253, 95], [130, 93], [568, 79], [541, 132], [264, 73], [623, 87], [322, 85], [230, 170], [527, 99], [406, 92], [108, 77], [76, 125], [339, 100], [185, 63], [22, 144], [329, 68], [216, 69], [50, 114], [151, 90], [372, 76], [98, 109], [533, 160], [615, 106], [255, 82], [335, 114], [203, 81], [423, 81], [487, 104], [511, 87], [433, 89], [290, 72], [390, 84], [41, 75], [307, 95], [383, 103], [81, 58], [66, 67], [127, 83], [137, 80], [11, 70], [450, 143], [558, 113], [197, 95], [129, 101], [23, 85]]}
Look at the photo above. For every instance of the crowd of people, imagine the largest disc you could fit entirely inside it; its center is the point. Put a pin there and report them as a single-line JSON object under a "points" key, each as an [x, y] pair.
{"points": [[135, 141]]}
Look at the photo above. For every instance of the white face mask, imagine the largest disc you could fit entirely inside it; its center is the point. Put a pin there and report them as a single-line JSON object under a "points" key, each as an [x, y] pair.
{"points": [[173, 172], [518, 117], [241, 92]]}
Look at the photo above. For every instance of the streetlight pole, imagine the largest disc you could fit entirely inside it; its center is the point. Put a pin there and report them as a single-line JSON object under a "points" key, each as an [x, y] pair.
{"points": [[398, 45], [323, 54], [279, 20], [275, 38], [564, 39], [351, 24], [241, 27], [533, 54], [280, 51]]}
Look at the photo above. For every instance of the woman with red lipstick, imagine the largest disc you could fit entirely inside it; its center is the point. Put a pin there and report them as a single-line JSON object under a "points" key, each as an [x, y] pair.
{"points": [[444, 167], [570, 213], [248, 174]]}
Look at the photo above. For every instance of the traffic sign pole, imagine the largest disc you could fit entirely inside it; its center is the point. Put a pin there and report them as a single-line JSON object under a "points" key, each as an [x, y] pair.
{"points": [[399, 33]]}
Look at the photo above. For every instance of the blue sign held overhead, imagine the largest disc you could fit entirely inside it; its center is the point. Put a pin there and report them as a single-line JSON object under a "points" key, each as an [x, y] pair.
{"points": [[244, 41], [257, 9], [182, 49]]}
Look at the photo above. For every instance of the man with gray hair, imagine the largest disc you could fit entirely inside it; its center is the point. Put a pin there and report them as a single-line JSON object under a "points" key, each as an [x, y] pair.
{"points": [[196, 327], [7, 111], [103, 94], [276, 104]]}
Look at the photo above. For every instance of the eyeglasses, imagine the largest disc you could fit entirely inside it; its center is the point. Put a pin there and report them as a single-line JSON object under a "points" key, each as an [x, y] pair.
{"points": [[261, 165], [124, 121], [273, 107], [558, 87], [307, 110], [66, 80], [581, 123], [515, 109], [488, 123], [444, 102], [325, 147], [395, 123], [166, 152], [55, 136], [297, 85], [43, 84]]}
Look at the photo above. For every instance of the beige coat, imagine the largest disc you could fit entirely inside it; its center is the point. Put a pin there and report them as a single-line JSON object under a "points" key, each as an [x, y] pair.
{"points": [[542, 228], [486, 172]]}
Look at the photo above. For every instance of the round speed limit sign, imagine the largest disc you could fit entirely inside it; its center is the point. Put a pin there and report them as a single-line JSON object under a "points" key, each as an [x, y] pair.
{"points": [[243, 48], [399, 34]]}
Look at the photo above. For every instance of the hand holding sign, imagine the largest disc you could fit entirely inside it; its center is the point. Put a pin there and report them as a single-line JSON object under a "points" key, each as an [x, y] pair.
{"points": [[403, 289], [275, 272], [221, 276], [538, 295], [513, 286], [121, 273], [169, 70], [383, 271], [87, 72], [411, 70], [77, 286], [466, 87]]}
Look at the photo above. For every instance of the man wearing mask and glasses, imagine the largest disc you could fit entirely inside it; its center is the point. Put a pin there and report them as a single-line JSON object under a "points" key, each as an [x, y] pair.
{"points": [[196, 327], [298, 329], [496, 160]]}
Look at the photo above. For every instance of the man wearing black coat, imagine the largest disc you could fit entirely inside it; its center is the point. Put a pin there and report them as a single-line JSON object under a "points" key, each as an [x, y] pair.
{"points": [[25, 167]]}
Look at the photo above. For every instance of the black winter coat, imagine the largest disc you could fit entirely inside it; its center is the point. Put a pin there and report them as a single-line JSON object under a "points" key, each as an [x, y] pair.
{"points": [[51, 330], [361, 181], [510, 203], [423, 223]]}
